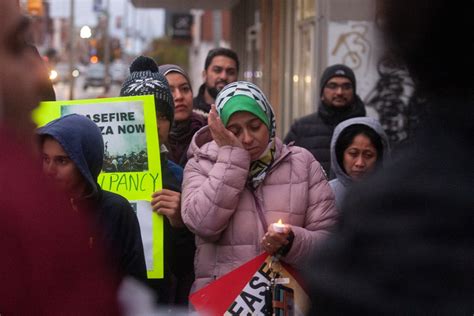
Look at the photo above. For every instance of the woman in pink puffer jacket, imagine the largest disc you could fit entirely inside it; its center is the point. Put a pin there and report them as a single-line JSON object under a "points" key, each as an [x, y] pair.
{"points": [[240, 179]]}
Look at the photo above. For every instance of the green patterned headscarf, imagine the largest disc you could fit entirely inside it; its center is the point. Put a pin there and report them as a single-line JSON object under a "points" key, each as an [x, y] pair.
{"points": [[242, 96]]}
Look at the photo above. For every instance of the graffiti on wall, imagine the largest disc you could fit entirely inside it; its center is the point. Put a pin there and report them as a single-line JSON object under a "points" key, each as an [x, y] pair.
{"points": [[354, 45], [387, 90], [395, 99]]}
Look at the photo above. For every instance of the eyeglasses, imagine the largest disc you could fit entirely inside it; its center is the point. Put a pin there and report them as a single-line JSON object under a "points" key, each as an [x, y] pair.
{"points": [[334, 86]]}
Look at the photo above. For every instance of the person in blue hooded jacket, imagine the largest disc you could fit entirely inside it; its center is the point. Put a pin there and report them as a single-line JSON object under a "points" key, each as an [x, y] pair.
{"points": [[359, 146], [73, 153]]}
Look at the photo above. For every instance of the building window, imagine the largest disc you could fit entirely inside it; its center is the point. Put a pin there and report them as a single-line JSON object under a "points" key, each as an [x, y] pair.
{"points": [[299, 57]]}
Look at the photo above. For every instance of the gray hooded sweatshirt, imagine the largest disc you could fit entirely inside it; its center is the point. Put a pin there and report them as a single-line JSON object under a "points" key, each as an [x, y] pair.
{"points": [[342, 182]]}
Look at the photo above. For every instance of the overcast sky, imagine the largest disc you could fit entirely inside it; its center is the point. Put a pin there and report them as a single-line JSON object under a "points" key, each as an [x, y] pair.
{"points": [[149, 22]]}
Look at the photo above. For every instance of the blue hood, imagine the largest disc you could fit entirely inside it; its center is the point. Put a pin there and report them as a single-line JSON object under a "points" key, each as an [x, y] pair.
{"points": [[82, 140]]}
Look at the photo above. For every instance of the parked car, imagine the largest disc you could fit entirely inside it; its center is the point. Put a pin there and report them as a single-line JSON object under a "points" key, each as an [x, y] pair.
{"points": [[118, 72], [60, 72], [95, 76]]}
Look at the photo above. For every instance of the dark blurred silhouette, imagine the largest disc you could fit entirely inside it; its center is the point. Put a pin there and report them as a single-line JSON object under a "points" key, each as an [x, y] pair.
{"points": [[47, 89], [47, 267], [405, 245]]}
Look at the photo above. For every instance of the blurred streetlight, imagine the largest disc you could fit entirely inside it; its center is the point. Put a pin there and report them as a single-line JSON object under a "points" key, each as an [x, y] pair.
{"points": [[75, 73], [53, 75], [86, 32]]}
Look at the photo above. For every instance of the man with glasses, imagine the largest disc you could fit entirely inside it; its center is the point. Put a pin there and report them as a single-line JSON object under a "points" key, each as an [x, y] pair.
{"points": [[338, 102]]}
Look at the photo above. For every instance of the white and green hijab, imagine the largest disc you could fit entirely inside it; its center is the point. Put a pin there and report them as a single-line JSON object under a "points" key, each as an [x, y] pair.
{"points": [[245, 96]]}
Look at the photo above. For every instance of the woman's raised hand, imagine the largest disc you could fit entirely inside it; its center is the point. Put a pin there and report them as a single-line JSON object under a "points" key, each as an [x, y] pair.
{"points": [[220, 134]]}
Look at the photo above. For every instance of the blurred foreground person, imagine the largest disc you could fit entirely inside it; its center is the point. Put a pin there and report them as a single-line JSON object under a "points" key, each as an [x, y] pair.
{"points": [[47, 89], [241, 178], [359, 147], [406, 245], [47, 267]]}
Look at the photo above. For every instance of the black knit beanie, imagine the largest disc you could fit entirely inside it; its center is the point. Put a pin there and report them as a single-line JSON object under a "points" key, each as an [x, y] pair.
{"points": [[145, 79], [337, 70]]}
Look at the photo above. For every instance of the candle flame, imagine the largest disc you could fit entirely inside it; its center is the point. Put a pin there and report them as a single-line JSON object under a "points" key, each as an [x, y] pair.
{"points": [[280, 222]]}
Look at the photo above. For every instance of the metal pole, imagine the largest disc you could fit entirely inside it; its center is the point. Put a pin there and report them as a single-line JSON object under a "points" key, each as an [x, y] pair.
{"points": [[107, 47], [125, 26], [217, 27], [72, 34], [136, 34]]}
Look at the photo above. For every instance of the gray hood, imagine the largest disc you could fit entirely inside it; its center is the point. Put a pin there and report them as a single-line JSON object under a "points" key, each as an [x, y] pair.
{"points": [[374, 124]]}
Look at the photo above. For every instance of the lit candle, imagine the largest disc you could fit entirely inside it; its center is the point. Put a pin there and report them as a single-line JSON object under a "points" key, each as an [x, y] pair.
{"points": [[279, 227]]}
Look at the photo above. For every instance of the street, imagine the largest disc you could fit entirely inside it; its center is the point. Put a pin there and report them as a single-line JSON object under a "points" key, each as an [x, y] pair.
{"points": [[62, 90]]}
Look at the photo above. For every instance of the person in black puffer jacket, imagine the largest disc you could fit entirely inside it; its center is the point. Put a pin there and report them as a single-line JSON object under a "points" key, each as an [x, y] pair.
{"points": [[338, 103]]}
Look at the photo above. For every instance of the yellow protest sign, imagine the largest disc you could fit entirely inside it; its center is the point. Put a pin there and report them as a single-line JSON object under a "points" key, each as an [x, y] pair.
{"points": [[132, 166]]}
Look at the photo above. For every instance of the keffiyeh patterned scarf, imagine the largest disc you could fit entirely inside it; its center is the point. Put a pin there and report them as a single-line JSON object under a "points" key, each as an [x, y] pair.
{"points": [[258, 168]]}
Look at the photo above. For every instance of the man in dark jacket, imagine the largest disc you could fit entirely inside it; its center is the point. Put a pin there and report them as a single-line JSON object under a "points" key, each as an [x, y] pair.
{"points": [[339, 101], [73, 154], [220, 68], [406, 243]]}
